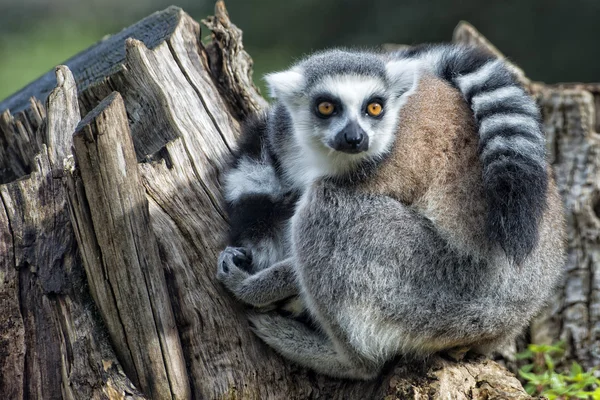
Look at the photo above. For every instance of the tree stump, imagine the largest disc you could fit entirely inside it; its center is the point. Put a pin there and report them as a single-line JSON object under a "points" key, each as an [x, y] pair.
{"points": [[110, 228]]}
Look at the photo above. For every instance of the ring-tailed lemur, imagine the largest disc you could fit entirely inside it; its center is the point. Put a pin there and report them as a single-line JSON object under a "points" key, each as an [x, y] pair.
{"points": [[417, 230]]}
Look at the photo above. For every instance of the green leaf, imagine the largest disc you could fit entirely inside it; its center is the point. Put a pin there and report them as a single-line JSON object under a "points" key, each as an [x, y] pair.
{"points": [[531, 389], [527, 368], [576, 369], [528, 376], [538, 348], [556, 381], [549, 361], [527, 354]]}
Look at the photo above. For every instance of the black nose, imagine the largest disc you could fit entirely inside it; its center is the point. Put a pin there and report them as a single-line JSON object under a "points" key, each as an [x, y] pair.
{"points": [[351, 139], [354, 138]]}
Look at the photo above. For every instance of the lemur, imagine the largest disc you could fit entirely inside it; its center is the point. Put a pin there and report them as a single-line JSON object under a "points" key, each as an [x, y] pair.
{"points": [[427, 216]]}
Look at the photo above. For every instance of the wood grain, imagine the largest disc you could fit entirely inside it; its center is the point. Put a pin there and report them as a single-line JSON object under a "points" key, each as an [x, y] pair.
{"points": [[53, 343], [130, 262]]}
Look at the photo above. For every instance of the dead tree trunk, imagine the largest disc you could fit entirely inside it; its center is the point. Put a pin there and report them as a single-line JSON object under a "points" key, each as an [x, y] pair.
{"points": [[110, 228]]}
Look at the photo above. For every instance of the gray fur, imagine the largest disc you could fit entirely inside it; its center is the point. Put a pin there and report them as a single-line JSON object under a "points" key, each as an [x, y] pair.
{"points": [[402, 289], [380, 281], [295, 341], [377, 277], [252, 177], [262, 288], [302, 144], [342, 62]]}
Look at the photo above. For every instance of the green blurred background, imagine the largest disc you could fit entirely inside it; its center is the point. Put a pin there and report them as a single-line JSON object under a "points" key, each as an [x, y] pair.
{"points": [[554, 41]]}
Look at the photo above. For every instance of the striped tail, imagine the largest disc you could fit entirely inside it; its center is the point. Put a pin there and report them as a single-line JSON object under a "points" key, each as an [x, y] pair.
{"points": [[512, 146], [257, 203]]}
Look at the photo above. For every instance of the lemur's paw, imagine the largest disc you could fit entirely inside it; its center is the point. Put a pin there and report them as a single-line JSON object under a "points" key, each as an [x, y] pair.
{"points": [[265, 325], [274, 328], [239, 256], [232, 265]]}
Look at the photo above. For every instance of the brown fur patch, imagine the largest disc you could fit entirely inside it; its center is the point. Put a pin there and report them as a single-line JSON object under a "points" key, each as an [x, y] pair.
{"points": [[435, 168], [436, 133]]}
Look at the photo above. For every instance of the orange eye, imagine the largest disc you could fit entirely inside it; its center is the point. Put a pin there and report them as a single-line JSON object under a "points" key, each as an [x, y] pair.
{"points": [[374, 109], [325, 108]]}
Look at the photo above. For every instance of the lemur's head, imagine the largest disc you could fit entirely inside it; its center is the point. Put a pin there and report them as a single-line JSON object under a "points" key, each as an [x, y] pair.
{"points": [[344, 104]]}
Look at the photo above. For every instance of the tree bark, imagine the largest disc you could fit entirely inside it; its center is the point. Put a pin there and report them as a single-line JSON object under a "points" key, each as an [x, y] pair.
{"points": [[132, 297], [109, 237]]}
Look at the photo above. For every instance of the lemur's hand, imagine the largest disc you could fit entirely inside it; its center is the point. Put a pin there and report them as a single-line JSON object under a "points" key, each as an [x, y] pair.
{"points": [[232, 267]]}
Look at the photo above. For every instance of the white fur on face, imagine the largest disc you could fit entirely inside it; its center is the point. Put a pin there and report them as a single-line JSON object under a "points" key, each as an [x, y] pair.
{"points": [[314, 157], [404, 73]]}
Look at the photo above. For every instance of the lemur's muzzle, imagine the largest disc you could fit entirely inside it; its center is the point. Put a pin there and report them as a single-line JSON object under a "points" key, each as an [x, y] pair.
{"points": [[351, 139]]}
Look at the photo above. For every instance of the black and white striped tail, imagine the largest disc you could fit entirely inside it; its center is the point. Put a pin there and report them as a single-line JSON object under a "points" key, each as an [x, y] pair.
{"points": [[512, 145], [257, 204]]}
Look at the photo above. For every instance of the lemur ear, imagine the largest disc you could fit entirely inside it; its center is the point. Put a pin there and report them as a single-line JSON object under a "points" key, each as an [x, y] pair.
{"points": [[285, 84], [402, 73]]}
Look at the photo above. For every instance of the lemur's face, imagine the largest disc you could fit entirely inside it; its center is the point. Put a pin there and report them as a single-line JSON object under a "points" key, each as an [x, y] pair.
{"points": [[343, 106], [350, 114]]}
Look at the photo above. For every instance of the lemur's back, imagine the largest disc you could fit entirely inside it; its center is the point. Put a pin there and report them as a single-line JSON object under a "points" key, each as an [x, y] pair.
{"points": [[435, 168]]}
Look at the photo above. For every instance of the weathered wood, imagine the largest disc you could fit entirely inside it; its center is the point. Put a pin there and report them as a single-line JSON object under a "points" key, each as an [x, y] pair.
{"points": [[129, 262], [449, 380], [231, 66], [12, 330], [62, 118], [53, 345], [20, 140], [144, 194], [574, 145], [104, 59]]}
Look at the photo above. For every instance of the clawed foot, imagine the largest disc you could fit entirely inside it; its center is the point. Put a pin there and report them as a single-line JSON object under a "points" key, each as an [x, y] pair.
{"points": [[233, 266], [235, 256]]}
